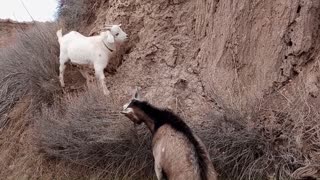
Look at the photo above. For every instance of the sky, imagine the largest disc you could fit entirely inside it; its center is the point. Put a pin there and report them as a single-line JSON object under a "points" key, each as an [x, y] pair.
{"points": [[40, 10]]}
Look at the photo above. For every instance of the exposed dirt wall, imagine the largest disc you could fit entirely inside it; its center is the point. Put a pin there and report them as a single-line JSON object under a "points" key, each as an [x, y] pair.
{"points": [[256, 48], [254, 61], [199, 55]]}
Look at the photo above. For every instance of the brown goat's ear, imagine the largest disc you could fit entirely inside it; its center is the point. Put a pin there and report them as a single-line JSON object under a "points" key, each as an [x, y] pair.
{"points": [[137, 93]]}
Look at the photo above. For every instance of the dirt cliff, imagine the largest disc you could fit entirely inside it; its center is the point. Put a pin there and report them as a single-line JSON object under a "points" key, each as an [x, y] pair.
{"points": [[199, 54], [253, 59], [243, 74]]}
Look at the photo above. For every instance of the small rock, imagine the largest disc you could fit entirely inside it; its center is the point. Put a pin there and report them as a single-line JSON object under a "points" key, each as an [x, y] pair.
{"points": [[181, 84]]}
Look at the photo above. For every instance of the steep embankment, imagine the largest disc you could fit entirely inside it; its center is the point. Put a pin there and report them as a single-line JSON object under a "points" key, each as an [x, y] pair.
{"points": [[256, 60], [196, 54], [244, 74]]}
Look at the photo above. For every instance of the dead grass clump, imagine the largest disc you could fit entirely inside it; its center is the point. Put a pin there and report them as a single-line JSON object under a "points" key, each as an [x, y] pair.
{"points": [[237, 152], [29, 69], [294, 132], [87, 130], [76, 14], [277, 144]]}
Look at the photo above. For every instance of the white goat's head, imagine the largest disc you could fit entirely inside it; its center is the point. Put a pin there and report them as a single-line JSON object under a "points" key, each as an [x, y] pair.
{"points": [[118, 34]]}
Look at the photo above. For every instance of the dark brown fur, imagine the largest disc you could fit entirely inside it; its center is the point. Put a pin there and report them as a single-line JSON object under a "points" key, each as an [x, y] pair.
{"points": [[164, 116]]}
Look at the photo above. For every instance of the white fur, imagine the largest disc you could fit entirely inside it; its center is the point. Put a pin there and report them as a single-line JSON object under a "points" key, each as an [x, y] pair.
{"points": [[126, 106], [157, 159], [128, 110], [92, 50]]}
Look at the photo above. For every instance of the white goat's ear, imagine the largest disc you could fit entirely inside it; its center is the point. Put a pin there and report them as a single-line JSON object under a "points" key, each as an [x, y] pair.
{"points": [[110, 38], [119, 25]]}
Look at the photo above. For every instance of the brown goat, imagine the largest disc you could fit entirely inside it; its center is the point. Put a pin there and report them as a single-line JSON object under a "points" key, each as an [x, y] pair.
{"points": [[178, 153]]}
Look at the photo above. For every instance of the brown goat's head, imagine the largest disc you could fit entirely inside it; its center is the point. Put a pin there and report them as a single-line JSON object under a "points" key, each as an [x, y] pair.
{"points": [[131, 109]]}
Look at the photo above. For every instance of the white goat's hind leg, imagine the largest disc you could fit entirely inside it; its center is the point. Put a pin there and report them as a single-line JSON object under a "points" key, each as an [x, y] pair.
{"points": [[61, 73], [100, 75], [62, 60]]}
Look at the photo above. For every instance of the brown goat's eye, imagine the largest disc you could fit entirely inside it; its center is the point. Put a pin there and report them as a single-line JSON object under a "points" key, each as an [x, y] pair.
{"points": [[117, 34]]}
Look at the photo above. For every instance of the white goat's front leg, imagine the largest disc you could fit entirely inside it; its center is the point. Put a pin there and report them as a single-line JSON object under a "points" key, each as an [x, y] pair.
{"points": [[100, 75], [61, 73]]}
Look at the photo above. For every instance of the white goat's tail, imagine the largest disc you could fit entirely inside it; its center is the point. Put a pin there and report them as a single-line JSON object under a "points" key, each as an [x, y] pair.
{"points": [[59, 34]]}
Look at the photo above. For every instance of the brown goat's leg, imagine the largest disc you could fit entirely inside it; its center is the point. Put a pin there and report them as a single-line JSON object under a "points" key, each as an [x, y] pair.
{"points": [[157, 166]]}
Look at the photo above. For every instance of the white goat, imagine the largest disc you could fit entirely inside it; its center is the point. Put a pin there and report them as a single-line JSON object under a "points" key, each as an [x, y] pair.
{"points": [[94, 50]]}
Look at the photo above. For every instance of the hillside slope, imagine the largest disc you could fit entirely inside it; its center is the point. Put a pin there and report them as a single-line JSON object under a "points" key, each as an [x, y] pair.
{"points": [[217, 53], [257, 60], [243, 74]]}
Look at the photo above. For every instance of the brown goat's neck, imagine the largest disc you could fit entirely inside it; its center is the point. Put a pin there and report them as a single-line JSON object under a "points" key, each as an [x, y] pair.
{"points": [[146, 120], [150, 124]]}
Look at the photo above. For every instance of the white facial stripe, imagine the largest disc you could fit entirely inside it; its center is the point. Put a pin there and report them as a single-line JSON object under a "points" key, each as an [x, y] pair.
{"points": [[125, 106], [128, 110]]}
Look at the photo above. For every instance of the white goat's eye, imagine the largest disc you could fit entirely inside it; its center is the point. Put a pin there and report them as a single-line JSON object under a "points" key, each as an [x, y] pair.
{"points": [[117, 34]]}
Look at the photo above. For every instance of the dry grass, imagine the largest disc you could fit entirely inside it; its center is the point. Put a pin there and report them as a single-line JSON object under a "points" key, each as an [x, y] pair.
{"points": [[76, 14], [87, 130], [275, 144], [237, 152], [28, 70], [82, 136]]}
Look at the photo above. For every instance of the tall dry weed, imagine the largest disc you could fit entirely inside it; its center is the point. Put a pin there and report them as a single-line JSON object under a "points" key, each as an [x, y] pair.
{"points": [[29, 70], [88, 130], [76, 14], [277, 143]]}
